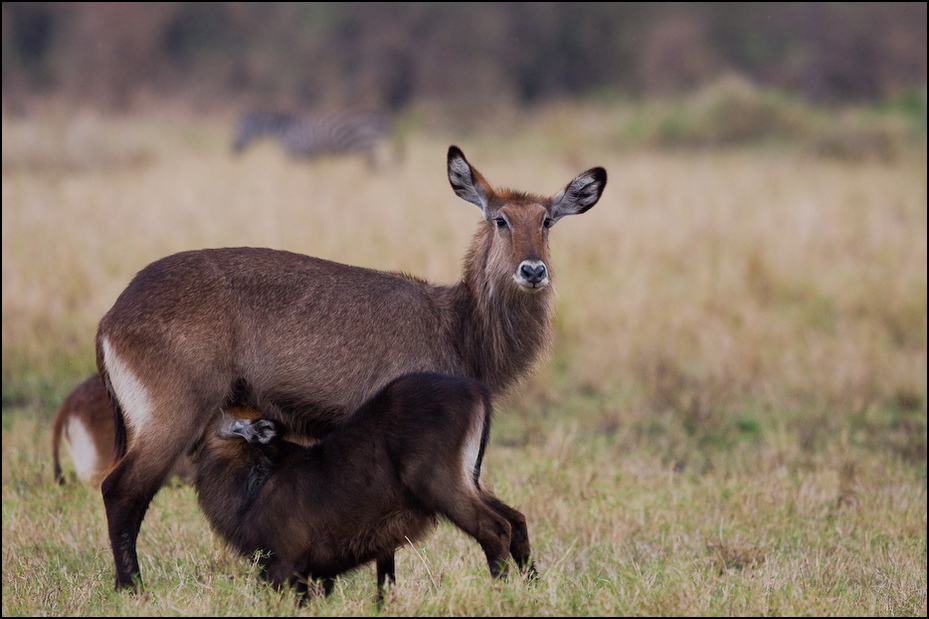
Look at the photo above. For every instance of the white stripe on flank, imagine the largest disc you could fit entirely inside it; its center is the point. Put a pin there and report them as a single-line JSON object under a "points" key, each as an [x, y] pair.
{"points": [[133, 398], [83, 450], [472, 446]]}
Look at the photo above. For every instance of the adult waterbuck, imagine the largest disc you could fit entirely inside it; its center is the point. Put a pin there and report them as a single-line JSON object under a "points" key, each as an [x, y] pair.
{"points": [[201, 330]]}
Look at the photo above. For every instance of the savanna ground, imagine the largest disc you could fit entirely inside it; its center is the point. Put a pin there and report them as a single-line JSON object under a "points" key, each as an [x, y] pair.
{"points": [[732, 420]]}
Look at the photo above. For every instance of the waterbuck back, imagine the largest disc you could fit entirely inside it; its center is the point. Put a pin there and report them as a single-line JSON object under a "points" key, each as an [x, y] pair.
{"points": [[312, 339]]}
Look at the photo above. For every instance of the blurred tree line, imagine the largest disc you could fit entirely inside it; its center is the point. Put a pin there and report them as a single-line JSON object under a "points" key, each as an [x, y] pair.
{"points": [[397, 54]]}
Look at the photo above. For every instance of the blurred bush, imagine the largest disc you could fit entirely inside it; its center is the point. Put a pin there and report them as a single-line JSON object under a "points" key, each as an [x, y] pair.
{"points": [[732, 111], [471, 56]]}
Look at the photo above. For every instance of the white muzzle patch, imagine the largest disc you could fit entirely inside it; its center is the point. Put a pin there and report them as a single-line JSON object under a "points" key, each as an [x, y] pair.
{"points": [[531, 275]]}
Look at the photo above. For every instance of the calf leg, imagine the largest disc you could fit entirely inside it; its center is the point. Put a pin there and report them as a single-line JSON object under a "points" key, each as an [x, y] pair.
{"points": [[452, 492], [385, 574], [285, 574], [328, 584], [519, 540], [491, 530]]}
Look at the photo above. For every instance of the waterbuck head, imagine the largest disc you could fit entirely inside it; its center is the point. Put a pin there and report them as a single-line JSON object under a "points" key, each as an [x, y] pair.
{"points": [[514, 244]]}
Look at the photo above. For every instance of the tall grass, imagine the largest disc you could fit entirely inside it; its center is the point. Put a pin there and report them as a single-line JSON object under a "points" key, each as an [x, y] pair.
{"points": [[732, 421]]}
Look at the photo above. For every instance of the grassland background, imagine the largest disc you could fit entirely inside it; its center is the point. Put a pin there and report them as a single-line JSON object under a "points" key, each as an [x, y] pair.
{"points": [[732, 421]]}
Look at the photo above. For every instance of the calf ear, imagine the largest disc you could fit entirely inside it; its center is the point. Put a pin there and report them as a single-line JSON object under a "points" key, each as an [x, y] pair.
{"points": [[580, 194], [240, 428], [261, 431]]}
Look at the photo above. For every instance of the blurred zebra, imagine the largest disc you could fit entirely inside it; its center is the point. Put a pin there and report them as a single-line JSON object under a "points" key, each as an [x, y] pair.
{"points": [[316, 135]]}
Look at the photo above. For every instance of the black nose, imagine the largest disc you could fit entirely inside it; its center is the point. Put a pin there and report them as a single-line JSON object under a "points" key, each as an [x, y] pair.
{"points": [[532, 273]]}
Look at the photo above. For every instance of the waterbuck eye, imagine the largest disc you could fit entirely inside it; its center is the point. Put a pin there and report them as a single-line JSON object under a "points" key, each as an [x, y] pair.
{"points": [[549, 222], [501, 222]]}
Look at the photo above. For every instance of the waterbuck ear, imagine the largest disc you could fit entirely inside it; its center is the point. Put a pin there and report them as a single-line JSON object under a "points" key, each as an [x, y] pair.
{"points": [[263, 431], [466, 181], [239, 427], [258, 431], [580, 194]]}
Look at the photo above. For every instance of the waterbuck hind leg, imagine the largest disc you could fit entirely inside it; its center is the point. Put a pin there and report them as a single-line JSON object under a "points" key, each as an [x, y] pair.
{"points": [[132, 484], [491, 530], [385, 575], [127, 492], [520, 549]]}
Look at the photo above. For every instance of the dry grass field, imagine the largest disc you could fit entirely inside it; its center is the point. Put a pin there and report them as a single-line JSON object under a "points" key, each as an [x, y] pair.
{"points": [[732, 420]]}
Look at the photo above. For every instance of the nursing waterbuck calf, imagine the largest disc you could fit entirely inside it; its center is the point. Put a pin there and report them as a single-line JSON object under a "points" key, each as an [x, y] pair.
{"points": [[409, 454], [314, 339]]}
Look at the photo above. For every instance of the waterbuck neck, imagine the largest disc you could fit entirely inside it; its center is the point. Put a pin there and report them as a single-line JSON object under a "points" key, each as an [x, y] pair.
{"points": [[503, 330]]}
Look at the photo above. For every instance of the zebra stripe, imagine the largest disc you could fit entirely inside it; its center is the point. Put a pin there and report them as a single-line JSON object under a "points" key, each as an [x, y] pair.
{"points": [[309, 136]]}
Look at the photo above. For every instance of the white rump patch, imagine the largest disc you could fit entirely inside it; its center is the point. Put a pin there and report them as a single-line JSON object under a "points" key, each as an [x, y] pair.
{"points": [[131, 393], [83, 450]]}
